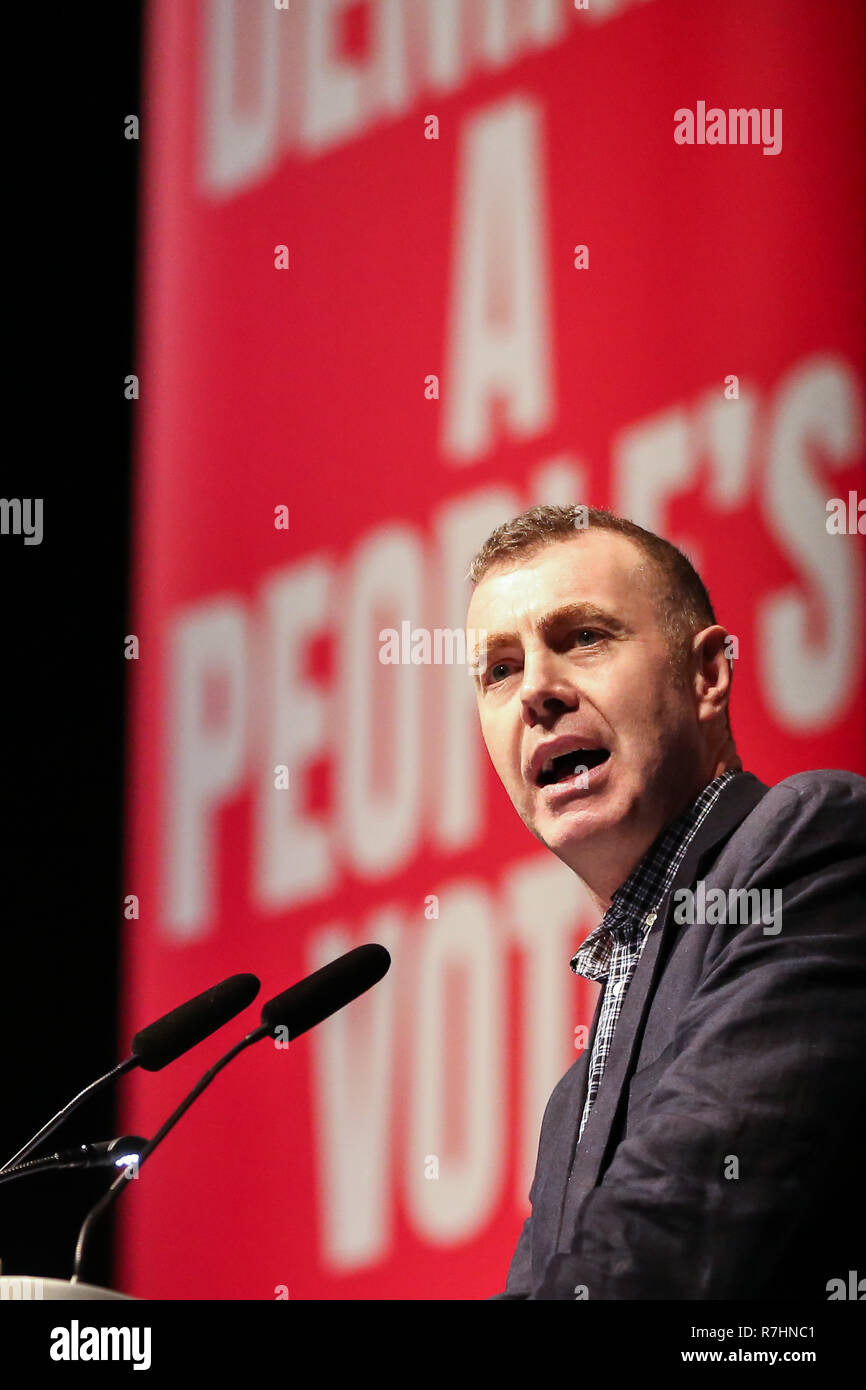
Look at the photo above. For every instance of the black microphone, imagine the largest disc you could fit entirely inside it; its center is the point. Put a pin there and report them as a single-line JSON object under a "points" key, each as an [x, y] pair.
{"points": [[175, 1033], [325, 991], [108, 1153], [162, 1042], [297, 1009]]}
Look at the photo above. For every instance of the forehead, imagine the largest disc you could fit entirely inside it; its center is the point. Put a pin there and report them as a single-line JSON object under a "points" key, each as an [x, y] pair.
{"points": [[601, 568]]}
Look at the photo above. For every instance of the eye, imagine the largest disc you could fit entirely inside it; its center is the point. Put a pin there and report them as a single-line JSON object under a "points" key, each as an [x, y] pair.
{"points": [[490, 678], [590, 632]]}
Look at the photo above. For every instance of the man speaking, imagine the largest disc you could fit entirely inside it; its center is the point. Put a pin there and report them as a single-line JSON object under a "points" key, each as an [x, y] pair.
{"points": [[708, 1144]]}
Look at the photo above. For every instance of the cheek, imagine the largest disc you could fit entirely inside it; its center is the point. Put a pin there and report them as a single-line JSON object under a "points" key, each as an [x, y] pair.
{"points": [[657, 728], [643, 696], [643, 720], [499, 744]]}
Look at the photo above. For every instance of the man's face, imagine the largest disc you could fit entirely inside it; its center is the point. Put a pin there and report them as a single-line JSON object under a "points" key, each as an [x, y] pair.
{"points": [[577, 666]]}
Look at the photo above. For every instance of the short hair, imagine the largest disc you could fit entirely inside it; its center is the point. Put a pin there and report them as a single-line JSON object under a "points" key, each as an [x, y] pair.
{"points": [[682, 600]]}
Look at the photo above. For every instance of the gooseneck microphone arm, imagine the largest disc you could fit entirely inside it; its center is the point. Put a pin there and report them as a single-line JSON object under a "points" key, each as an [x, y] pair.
{"points": [[162, 1042], [296, 1010], [57, 1120], [110, 1153], [111, 1195]]}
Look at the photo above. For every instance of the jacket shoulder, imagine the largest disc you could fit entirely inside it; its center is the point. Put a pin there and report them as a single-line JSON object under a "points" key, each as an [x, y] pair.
{"points": [[807, 796], [828, 784], [804, 815]]}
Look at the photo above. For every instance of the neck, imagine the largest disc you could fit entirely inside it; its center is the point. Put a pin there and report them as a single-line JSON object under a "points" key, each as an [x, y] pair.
{"points": [[727, 759], [608, 872]]}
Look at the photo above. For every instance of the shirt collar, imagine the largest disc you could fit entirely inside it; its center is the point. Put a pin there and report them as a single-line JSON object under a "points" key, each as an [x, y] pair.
{"points": [[636, 902]]}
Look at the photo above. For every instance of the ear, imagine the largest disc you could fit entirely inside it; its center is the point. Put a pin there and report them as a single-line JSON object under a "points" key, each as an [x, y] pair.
{"points": [[712, 670]]}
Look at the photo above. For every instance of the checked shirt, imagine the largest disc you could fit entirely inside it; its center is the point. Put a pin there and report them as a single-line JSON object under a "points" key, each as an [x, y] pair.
{"points": [[612, 950]]}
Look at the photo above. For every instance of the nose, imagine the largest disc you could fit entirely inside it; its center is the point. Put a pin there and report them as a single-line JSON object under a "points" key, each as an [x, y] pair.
{"points": [[547, 688]]}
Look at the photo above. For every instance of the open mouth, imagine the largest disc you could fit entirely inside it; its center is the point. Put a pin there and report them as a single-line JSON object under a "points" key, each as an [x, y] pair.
{"points": [[567, 764]]}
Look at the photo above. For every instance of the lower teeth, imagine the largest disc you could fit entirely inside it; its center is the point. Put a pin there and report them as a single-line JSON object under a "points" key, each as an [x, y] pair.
{"points": [[581, 770]]}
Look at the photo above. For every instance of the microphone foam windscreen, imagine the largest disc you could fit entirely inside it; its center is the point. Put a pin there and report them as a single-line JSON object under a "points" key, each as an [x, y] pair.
{"points": [[327, 990], [190, 1023]]}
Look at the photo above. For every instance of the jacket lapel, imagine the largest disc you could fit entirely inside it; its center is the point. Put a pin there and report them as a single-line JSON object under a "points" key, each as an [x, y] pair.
{"points": [[734, 803], [556, 1149]]}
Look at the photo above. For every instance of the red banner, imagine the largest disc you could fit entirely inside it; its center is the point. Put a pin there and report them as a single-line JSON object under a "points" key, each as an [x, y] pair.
{"points": [[408, 267]]}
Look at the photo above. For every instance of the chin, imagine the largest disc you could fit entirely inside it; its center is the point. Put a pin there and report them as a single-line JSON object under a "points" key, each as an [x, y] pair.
{"points": [[570, 830]]}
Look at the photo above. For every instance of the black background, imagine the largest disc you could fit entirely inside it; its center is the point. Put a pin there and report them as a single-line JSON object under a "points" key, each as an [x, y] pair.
{"points": [[71, 268]]}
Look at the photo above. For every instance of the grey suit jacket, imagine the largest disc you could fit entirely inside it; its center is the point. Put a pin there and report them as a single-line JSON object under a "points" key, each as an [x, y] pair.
{"points": [[723, 1157]]}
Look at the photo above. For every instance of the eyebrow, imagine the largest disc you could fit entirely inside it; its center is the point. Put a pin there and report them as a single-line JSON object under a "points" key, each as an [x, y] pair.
{"points": [[582, 614]]}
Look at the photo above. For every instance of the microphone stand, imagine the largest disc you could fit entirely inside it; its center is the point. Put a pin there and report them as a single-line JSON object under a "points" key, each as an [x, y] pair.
{"points": [[49, 1128], [123, 1177]]}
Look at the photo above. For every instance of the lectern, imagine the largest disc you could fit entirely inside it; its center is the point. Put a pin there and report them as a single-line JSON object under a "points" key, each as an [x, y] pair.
{"points": [[30, 1288]]}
